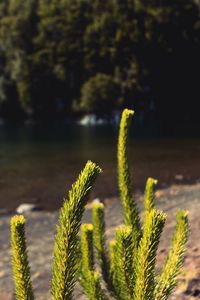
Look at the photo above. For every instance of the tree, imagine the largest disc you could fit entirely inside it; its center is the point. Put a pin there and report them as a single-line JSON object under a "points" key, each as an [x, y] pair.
{"points": [[110, 41], [50, 49], [17, 30], [59, 48], [99, 94], [172, 60]]}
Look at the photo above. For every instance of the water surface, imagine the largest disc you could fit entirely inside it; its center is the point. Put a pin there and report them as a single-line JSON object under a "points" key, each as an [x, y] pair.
{"points": [[38, 164]]}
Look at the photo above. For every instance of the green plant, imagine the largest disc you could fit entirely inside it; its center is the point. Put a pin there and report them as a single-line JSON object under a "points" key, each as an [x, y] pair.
{"points": [[127, 270], [66, 242], [21, 269]]}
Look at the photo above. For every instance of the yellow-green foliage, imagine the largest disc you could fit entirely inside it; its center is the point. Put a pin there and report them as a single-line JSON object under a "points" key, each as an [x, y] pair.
{"points": [[66, 243], [123, 266], [149, 194], [112, 252], [146, 256], [90, 279], [125, 271], [21, 269], [100, 241], [167, 279], [131, 215], [131, 259], [87, 262]]}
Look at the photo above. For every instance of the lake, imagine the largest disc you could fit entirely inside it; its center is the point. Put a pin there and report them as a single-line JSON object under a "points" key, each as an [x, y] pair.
{"points": [[38, 164]]}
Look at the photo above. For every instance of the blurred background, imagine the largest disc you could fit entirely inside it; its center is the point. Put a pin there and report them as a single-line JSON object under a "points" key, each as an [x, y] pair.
{"points": [[68, 68]]}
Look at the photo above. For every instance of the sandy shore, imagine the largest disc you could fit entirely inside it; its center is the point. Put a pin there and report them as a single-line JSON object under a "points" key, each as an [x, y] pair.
{"points": [[41, 230]]}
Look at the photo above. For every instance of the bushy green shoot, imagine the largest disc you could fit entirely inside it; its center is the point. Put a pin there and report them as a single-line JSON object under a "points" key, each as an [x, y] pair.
{"points": [[130, 210], [167, 279], [129, 269], [21, 269], [146, 256], [100, 241], [123, 262], [90, 279], [149, 194], [66, 243]]}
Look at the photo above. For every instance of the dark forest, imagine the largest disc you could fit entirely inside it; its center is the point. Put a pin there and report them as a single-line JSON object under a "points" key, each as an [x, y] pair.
{"points": [[62, 59]]}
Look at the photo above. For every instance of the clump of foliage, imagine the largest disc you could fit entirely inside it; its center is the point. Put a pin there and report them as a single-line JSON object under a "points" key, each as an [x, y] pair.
{"points": [[99, 94], [66, 242], [125, 271], [21, 269], [128, 269]]}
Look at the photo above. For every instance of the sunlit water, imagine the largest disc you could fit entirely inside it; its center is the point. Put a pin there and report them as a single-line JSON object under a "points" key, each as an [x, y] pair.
{"points": [[38, 164]]}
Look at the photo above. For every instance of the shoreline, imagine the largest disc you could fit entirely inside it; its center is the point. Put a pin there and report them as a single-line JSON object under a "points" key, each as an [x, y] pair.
{"points": [[40, 230], [44, 205]]}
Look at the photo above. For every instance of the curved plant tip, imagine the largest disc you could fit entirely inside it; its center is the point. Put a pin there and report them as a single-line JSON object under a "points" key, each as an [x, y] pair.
{"points": [[149, 194], [130, 211]]}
